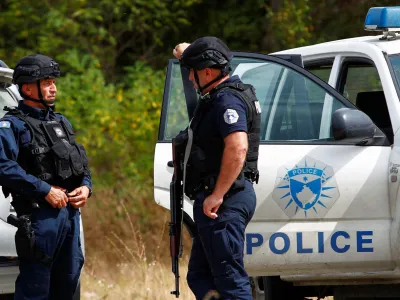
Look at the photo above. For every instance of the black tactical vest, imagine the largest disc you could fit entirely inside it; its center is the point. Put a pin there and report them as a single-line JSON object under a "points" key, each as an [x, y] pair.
{"points": [[202, 166], [53, 154], [247, 94]]}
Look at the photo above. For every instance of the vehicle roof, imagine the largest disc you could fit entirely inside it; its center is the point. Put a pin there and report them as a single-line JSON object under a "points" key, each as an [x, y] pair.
{"points": [[390, 47], [6, 75]]}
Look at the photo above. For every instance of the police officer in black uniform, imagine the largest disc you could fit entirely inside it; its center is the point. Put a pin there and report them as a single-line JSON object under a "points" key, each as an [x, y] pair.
{"points": [[223, 140], [47, 174]]}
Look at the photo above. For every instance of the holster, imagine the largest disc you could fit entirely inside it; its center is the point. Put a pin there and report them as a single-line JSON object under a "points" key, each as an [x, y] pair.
{"points": [[25, 239], [25, 245]]}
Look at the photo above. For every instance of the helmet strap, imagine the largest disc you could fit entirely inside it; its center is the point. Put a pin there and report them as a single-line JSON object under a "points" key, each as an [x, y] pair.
{"points": [[40, 100], [196, 78], [224, 71], [39, 90]]}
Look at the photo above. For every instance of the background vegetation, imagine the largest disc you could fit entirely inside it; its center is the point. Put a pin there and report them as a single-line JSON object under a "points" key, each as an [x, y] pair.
{"points": [[113, 56]]}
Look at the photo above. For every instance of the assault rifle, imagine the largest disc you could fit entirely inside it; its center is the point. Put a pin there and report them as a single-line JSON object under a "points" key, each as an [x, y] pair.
{"points": [[176, 207]]}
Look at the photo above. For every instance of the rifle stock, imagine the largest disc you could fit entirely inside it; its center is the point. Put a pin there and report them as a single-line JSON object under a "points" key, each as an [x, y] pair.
{"points": [[176, 208]]}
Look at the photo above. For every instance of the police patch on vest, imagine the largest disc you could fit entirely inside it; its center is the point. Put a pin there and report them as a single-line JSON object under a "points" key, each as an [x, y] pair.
{"points": [[231, 116], [5, 124], [59, 132], [258, 107]]}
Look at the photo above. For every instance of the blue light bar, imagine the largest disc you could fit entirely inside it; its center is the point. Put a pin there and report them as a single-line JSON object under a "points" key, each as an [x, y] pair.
{"points": [[383, 19]]}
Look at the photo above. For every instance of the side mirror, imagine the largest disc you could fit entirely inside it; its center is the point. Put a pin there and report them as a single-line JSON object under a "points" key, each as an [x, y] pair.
{"points": [[353, 126]]}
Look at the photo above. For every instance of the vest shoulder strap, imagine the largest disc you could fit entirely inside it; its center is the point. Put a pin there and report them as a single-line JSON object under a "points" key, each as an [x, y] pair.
{"points": [[12, 111], [59, 116], [232, 85]]}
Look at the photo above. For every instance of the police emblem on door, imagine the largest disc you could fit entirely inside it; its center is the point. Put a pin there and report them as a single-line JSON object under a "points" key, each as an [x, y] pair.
{"points": [[306, 189]]}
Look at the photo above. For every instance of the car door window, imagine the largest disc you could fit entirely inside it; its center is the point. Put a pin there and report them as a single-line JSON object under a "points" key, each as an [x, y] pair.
{"points": [[254, 71], [294, 107], [320, 68], [265, 79], [177, 115], [359, 77], [360, 83]]}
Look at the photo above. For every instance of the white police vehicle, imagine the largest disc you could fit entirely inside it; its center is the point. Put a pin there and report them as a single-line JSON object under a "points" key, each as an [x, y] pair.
{"points": [[9, 96], [327, 220]]}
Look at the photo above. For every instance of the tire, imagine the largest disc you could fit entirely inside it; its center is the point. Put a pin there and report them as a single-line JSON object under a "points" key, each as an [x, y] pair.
{"points": [[277, 289], [7, 297], [367, 292], [257, 288]]}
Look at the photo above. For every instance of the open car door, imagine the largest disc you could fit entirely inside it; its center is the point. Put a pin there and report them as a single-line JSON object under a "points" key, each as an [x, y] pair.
{"points": [[317, 196]]}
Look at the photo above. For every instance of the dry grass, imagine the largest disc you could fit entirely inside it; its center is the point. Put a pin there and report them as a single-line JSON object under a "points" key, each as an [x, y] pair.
{"points": [[121, 220], [125, 257], [141, 280]]}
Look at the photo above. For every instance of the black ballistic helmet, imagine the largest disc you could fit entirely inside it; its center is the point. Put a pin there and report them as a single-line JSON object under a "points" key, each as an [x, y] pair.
{"points": [[206, 52], [33, 68]]}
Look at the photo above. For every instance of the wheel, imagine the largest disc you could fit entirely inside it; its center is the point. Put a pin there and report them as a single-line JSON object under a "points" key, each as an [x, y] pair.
{"points": [[277, 289], [367, 292], [257, 288]]}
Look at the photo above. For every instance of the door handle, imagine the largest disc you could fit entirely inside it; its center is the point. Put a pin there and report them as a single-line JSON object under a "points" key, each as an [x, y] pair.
{"points": [[170, 164]]}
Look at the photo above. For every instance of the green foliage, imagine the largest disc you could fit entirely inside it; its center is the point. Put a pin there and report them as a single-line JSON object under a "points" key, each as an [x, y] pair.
{"points": [[240, 23], [332, 19], [117, 125], [116, 32], [290, 25], [272, 25]]}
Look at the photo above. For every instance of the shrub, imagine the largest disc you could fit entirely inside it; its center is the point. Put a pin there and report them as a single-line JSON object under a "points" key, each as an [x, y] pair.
{"points": [[117, 123]]}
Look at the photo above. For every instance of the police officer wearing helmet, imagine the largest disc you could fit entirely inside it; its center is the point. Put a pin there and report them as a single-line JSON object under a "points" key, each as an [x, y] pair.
{"points": [[46, 172], [223, 140]]}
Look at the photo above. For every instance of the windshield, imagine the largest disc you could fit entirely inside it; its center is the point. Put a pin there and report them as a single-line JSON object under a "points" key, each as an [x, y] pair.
{"points": [[395, 61]]}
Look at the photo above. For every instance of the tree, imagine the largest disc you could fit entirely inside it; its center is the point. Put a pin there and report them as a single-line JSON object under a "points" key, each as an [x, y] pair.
{"points": [[117, 32]]}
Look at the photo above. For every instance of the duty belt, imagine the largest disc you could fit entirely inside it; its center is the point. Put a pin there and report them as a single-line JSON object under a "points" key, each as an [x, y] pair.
{"points": [[209, 182], [253, 176]]}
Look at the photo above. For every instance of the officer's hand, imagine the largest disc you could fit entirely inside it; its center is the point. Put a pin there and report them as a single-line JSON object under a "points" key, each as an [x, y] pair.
{"points": [[211, 205], [57, 197], [77, 198], [178, 50]]}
